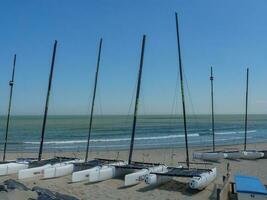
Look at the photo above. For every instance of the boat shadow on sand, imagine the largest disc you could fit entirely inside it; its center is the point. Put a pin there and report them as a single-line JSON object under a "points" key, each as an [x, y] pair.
{"points": [[172, 186], [182, 187], [92, 183]]}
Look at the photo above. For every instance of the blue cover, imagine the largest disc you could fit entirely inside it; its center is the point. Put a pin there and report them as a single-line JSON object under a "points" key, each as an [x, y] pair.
{"points": [[249, 184]]}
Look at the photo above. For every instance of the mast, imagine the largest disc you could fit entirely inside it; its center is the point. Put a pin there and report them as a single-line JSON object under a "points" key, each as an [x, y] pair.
{"points": [[212, 109], [93, 101], [11, 83], [246, 114], [47, 100], [137, 98], [182, 89]]}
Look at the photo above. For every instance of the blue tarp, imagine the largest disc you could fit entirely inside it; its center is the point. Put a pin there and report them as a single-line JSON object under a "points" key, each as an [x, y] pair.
{"points": [[249, 184]]}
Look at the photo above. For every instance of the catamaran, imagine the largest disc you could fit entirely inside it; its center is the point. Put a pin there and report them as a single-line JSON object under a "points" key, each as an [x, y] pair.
{"points": [[12, 166], [108, 169], [245, 154], [82, 168], [118, 168], [199, 178], [36, 168], [214, 155], [140, 169]]}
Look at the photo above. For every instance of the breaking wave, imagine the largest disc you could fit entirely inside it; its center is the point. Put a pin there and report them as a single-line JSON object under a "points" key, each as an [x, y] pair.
{"points": [[115, 140]]}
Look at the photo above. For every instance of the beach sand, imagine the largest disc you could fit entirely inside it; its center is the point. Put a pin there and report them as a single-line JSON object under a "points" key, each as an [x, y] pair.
{"points": [[113, 189]]}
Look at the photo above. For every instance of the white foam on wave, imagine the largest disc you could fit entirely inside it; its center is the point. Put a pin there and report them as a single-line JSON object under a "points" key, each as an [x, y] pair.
{"points": [[234, 132], [115, 140], [138, 138]]}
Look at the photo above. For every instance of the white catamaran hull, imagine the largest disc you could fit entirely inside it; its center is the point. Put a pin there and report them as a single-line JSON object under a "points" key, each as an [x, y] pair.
{"points": [[85, 174], [106, 172], [247, 155], [252, 155], [137, 177], [82, 175], [60, 169], [35, 172], [234, 155], [209, 156], [54, 172], [153, 179], [11, 168], [199, 183]]}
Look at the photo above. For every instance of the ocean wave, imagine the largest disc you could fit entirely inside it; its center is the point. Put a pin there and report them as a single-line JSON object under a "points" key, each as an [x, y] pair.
{"points": [[115, 140], [234, 132], [125, 146]]}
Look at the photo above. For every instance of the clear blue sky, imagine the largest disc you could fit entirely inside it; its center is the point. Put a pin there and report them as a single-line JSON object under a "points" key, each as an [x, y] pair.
{"points": [[229, 35]]}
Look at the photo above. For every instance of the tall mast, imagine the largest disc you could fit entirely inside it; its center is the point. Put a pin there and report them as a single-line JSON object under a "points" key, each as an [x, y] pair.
{"points": [[182, 89], [137, 98], [212, 109], [93, 101], [47, 100], [11, 83], [246, 114]]}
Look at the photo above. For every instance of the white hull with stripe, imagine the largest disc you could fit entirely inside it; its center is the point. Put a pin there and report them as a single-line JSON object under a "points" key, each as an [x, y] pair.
{"points": [[137, 177]]}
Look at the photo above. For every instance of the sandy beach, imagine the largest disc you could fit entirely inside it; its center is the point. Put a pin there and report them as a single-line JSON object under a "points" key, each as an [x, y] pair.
{"points": [[113, 189]]}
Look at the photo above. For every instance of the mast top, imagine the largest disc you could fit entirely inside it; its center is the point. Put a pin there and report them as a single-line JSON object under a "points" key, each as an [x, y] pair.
{"points": [[211, 74]]}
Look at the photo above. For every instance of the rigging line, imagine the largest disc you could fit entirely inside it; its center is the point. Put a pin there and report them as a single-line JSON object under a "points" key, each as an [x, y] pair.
{"points": [[190, 100], [90, 99], [99, 101], [193, 114], [175, 96], [127, 119], [174, 107], [142, 103], [132, 99]]}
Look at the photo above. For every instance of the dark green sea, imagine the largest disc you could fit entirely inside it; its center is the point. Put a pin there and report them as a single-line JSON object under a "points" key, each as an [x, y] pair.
{"points": [[69, 133]]}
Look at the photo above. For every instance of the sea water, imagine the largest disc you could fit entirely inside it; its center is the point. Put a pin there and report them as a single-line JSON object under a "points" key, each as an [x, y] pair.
{"points": [[113, 132]]}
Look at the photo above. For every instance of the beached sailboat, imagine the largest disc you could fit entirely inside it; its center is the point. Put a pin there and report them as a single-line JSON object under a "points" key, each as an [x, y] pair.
{"points": [[118, 168], [114, 168], [82, 168], [214, 155], [36, 168], [140, 169], [245, 154], [108, 169], [199, 178], [12, 166]]}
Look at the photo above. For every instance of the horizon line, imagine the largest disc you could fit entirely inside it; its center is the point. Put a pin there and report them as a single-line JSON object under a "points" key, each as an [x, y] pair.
{"points": [[97, 115]]}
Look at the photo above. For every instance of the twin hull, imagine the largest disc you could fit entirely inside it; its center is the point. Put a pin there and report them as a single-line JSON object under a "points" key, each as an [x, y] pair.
{"points": [[98, 173], [197, 183], [47, 171], [35, 172], [209, 156], [252, 155], [137, 177], [216, 156], [247, 155], [60, 169], [107, 172], [12, 168]]}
